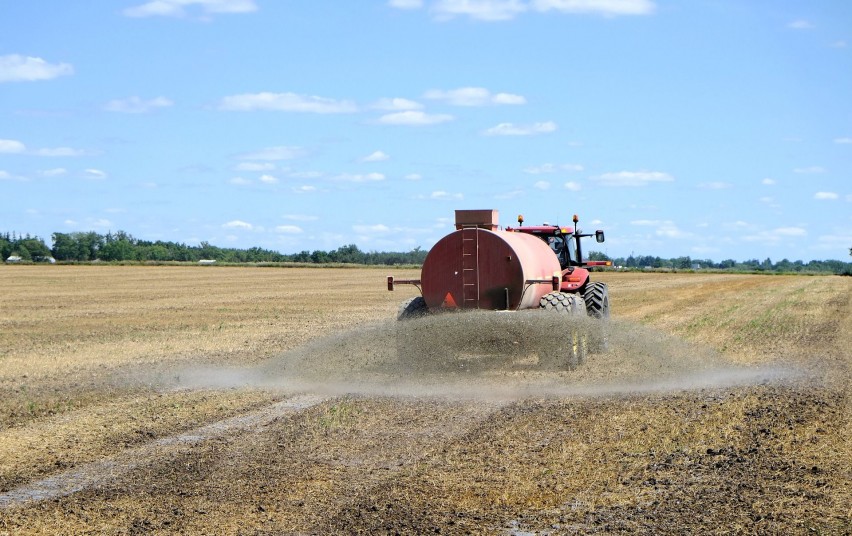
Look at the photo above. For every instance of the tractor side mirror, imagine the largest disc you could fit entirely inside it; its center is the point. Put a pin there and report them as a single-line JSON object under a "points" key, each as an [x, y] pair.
{"points": [[599, 236]]}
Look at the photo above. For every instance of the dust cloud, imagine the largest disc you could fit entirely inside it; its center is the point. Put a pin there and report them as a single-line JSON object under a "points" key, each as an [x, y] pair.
{"points": [[491, 355]]}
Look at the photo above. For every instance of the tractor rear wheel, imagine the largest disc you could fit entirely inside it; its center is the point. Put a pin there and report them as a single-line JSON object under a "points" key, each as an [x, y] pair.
{"points": [[596, 297], [597, 300], [412, 308]]}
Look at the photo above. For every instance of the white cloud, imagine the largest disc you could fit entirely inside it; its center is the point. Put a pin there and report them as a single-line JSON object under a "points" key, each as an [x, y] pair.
{"points": [[442, 195], [268, 179], [177, 8], [800, 24], [473, 96], [136, 105], [406, 4], [54, 172], [811, 170], [360, 177], [768, 182], [12, 147], [839, 241], [90, 223], [286, 102], [414, 118], [714, 185], [281, 152], [371, 229], [608, 8], [396, 104], [240, 181], [238, 224], [413, 177], [664, 228], [17, 68], [513, 194], [254, 166], [843, 141], [769, 201], [632, 178], [58, 151], [542, 185], [826, 196], [552, 168], [508, 98], [94, 174], [572, 186], [486, 10], [776, 235], [6, 176], [288, 229], [670, 230], [511, 129], [376, 156], [839, 44], [304, 189], [306, 174]]}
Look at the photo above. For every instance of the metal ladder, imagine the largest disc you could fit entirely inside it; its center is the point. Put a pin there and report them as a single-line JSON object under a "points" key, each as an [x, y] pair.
{"points": [[470, 267]]}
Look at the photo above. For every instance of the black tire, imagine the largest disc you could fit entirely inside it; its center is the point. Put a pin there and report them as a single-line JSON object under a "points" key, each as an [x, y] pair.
{"points": [[574, 345], [412, 308], [562, 302], [597, 300]]}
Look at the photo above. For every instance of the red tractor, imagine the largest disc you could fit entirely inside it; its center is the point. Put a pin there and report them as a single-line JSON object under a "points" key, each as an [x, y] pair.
{"points": [[479, 266]]}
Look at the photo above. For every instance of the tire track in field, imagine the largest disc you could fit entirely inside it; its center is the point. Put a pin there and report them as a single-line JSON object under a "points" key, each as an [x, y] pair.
{"points": [[103, 471]]}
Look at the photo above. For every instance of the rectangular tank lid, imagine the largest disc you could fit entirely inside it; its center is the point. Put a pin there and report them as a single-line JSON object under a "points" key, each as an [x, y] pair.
{"points": [[484, 219]]}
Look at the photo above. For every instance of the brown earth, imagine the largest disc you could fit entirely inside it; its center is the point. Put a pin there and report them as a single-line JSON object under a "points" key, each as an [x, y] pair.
{"points": [[211, 400]]}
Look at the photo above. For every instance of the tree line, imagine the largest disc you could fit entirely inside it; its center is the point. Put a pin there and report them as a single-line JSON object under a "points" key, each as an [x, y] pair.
{"points": [[647, 262], [122, 247]]}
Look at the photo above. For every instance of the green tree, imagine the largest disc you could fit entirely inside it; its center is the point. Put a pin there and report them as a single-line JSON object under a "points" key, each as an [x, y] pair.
{"points": [[35, 247], [118, 250]]}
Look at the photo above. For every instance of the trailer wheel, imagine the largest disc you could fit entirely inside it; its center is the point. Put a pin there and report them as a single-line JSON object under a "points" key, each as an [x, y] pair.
{"points": [[597, 300], [562, 302], [573, 346], [412, 308]]}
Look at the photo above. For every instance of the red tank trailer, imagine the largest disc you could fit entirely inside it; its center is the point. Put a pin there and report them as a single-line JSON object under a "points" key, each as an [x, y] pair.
{"points": [[480, 266]]}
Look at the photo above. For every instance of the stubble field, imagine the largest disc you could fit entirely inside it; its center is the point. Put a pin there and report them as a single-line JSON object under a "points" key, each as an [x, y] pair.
{"points": [[217, 400]]}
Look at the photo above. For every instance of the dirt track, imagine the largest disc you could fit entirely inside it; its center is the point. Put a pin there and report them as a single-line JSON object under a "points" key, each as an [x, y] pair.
{"points": [[723, 406]]}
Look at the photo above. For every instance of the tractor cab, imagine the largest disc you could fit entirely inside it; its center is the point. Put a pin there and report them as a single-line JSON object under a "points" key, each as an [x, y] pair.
{"points": [[563, 249], [559, 239]]}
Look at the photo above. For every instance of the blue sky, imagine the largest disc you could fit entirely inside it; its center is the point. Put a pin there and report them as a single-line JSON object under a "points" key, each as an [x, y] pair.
{"points": [[714, 129]]}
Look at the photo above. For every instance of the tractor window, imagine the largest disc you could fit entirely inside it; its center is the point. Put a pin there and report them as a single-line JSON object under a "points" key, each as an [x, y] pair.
{"points": [[562, 249]]}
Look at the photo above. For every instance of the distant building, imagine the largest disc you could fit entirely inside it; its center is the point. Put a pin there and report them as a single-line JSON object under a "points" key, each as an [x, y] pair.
{"points": [[14, 259], [207, 262]]}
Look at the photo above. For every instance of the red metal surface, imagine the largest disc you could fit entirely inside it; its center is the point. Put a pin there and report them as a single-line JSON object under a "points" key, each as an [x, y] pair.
{"points": [[472, 268], [573, 279]]}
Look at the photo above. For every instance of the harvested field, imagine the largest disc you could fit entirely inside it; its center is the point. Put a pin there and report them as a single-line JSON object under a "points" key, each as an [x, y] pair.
{"points": [[208, 400]]}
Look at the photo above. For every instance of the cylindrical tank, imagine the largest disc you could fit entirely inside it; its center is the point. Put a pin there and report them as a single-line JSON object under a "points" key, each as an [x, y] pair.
{"points": [[475, 268]]}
